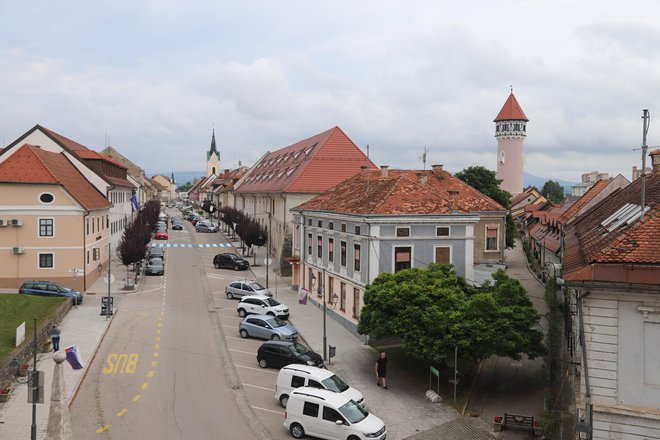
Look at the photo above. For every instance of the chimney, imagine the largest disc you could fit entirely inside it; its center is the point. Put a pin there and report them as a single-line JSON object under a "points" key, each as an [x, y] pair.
{"points": [[453, 197], [422, 178], [226, 173], [634, 173], [436, 168], [655, 160], [383, 170]]}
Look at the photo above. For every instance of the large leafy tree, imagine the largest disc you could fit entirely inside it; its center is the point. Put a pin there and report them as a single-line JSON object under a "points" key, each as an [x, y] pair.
{"points": [[553, 191], [433, 310], [486, 182]]}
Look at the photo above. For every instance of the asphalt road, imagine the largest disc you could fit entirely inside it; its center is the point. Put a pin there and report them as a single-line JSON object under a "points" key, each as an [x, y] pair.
{"points": [[160, 372]]}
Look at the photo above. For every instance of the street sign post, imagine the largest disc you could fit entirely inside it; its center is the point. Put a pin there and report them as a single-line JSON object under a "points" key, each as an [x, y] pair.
{"points": [[106, 305]]}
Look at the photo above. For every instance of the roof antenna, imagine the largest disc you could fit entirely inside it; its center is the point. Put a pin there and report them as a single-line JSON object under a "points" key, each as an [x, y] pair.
{"points": [[423, 157], [369, 169], [647, 121], [511, 87]]}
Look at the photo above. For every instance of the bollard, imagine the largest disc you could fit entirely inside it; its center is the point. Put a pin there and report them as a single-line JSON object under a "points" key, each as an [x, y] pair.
{"points": [[433, 396]]}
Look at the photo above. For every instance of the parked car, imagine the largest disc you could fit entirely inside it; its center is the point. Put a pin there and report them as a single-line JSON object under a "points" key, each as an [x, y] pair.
{"points": [[157, 251], [161, 236], [195, 220], [49, 288], [278, 354], [205, 227], [296, 376], [267, 327], [155, 266], [261, 305], [327, 415], [230, 261], [161, 225], [177, 226], [242, 288]]}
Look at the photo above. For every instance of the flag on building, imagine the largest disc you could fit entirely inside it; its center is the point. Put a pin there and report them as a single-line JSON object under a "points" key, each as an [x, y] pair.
{"points": [[302, 296], [73, 357], [134, 202]]}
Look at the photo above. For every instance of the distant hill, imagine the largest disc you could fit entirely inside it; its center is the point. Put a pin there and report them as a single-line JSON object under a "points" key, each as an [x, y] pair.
{"points": [[538, 182]]}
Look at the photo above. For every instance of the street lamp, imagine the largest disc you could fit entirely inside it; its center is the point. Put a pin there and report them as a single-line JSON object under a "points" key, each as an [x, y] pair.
{"points": [[325, 309]]}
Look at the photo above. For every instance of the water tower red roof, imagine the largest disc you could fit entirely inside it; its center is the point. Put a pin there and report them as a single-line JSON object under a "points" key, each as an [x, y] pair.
{"points": [[511, 111]]}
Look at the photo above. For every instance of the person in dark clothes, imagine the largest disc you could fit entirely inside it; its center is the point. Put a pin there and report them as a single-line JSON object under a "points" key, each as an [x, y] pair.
{"points": [[55, 337], [381, 370]]}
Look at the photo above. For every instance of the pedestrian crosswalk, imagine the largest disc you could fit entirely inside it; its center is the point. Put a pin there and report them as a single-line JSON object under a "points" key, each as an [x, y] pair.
{"points": [[184, 245]]}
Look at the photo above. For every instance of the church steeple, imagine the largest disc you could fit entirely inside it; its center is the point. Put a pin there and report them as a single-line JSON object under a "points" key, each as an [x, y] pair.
{"points": [[213, 148], [213, 158]]}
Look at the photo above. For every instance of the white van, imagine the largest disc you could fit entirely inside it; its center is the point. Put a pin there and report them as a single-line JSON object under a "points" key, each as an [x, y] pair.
{"points": [[332, 416], [295, 376]]}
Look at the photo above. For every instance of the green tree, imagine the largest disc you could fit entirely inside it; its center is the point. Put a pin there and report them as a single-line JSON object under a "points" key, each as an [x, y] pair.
{"points": [[185, 187], [433, 310], [486, 182], [553, 191]]}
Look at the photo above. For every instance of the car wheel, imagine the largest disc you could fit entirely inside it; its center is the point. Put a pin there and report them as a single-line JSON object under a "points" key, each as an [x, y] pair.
{"points": [[241, 313], [236, 268], [217, 265], [270, 314], [353, 438], [297, 430], [275, 337], [229, 295], [284, 399], [263, 363], [244, 333], [196, 230]]}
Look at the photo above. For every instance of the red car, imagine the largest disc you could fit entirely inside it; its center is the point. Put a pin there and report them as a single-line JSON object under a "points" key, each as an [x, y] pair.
{"points": [[161, 236]]}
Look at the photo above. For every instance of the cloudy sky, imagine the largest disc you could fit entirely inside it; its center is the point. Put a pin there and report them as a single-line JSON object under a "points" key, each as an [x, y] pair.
{"points": [[154, 76]]}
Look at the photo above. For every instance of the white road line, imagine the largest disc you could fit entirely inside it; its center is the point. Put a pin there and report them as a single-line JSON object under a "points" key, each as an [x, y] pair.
{"points": [[244, 339], [255, 369], [257, 386], [268, 410], [230, 316], [244, 352]]}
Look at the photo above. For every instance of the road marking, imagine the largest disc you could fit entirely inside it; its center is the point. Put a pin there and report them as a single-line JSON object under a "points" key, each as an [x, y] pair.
{"points": [[158, 331], [241, 351], [155, 354], [150, 373], [160, 318], [230, 326], [144, 386], [136, 398], [255, 369], [102, 428], [231, 316], [121, 363], [157, 338], [257, 386], [160, 324], [154, 363], [268, 410], [122, 412], [244, 339], [156, 346]]}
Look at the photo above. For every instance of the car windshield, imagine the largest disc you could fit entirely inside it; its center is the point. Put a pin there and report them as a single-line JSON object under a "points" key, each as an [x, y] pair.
{"points": [[257, 286], [353, 412], [156, 262], [271, 302], [334, 383], [276, 322], [299, 348]]}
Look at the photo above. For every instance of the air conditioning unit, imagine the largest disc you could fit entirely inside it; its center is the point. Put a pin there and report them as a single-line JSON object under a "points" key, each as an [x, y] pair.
{"points": [[15, 222], [17, 250], [3, 223]]}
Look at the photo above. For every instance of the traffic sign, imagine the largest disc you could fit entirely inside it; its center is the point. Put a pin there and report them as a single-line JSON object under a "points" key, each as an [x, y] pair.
{"points": [[268, 261]]}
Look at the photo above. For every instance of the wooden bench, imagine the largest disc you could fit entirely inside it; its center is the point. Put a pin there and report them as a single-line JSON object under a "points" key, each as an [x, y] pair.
{"points": [[518, 421]]}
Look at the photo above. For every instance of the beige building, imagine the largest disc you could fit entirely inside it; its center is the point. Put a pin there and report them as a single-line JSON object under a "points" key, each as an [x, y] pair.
{"points": [[54, 224]]}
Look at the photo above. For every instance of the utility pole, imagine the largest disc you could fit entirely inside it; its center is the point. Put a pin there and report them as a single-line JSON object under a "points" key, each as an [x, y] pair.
{"points": [[270, 231], [646, 117], [325, 341], [108, 309]]}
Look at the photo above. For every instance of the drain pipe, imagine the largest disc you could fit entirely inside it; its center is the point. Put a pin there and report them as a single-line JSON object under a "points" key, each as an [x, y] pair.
{"points": [[589, 427]]}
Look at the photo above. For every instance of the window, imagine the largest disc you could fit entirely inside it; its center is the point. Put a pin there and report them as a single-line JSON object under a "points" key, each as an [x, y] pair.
{"points": [[87, 257], [46, 198], [356, 303], [319, 246], [331, 286], [403, 232], [314, 384], [443, 255], [297, 381], [96, 254], [402, 258], [442, 231], [357, 230], [319, 224], [331, 415], [46, 227], [491, 238], [309, 222], [331, 225], [342, 260], [321, 284], [309, 278], [331, 250], [98, 224], [343, 227], [342, 297], [309, 244], [356, 253], [46, 261], [93, 226], [87, 224]]}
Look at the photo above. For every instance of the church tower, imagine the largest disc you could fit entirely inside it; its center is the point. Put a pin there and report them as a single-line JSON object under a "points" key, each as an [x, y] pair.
{"points": [[510, 132], [213, 158]]}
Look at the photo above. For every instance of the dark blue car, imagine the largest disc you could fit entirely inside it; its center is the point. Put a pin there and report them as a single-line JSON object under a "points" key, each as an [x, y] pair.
{"points": [[49, 288]]}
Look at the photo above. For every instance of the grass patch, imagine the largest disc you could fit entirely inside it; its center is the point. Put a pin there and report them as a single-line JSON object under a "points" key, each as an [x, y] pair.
{"points": [[419, 369], [14, 309]]}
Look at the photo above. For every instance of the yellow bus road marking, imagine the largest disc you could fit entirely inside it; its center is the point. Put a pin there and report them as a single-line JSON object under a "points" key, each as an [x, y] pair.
{"points": [[156, 346], [145, 385], [102, 428], [154, 363], [121, 363], [151, 374], [136, 398], [158, 331], [122, 412], [155, 354], [160, 324], [157, 338]]}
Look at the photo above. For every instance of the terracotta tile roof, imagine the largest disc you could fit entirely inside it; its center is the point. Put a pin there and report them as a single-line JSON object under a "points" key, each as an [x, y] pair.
{"points": [[30, 164], [589, 243], [401, 192], [511, 111], [522, 196], [586, 198], [310, 166], [70, 144]]}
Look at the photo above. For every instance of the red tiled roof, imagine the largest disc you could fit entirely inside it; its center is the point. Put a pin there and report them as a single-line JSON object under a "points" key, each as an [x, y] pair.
{"points": [[93, 155], [511, 111], [70, 144], [639, 244], [586, 198], [401, 192], [310, 166], [522, 196], [30, 164]]}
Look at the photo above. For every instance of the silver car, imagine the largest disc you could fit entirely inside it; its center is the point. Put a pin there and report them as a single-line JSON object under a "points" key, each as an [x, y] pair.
{"points": [[267, 327], [241, 288], [206, 227]]}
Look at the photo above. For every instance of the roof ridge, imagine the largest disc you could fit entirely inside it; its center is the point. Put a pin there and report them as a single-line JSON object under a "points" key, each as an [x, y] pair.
{"points": [[45, 165]]}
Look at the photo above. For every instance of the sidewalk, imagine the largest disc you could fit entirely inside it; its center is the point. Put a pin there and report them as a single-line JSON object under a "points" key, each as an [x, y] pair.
{"points": [[82, 326], [404, 407]]}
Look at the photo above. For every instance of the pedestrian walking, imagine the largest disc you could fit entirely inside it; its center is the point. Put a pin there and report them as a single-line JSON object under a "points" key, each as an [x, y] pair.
{"points": [[381, 370], [55, 337]]}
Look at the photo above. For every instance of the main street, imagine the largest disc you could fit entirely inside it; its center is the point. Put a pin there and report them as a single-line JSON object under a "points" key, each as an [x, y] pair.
{"points": [[163, 370]]}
